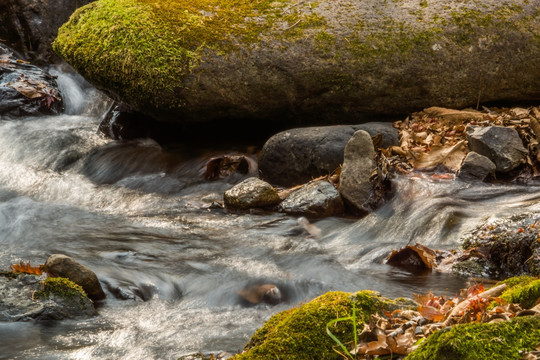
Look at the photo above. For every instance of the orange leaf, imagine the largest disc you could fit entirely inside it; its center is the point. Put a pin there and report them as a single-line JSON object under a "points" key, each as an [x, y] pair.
{"points": [[27, 268], [430, 313]]}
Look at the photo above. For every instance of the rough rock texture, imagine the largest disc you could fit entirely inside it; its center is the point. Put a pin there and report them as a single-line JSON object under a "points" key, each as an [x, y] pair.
{"points": [[359, 163], [30, 26], [314, 200], [26, 90], [331, 60], [18, 303], [502, 145], [503, 248], [475, 167], [251, 193], [64, 266], [298, 155]]}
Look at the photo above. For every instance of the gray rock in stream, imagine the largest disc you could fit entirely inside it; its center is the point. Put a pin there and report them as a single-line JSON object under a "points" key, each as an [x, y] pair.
{"points": [[18, 303], [475, 167], [25, 89], [314, 200], [298, 155], [502, 145], [354, 184]]}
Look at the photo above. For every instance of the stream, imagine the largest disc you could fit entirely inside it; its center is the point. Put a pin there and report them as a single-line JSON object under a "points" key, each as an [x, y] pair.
{"points": [[171, 263]]}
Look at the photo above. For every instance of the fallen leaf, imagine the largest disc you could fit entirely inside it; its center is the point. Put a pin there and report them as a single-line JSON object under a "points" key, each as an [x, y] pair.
{"points": [[449, 156], [27, 268], [431, 313]]}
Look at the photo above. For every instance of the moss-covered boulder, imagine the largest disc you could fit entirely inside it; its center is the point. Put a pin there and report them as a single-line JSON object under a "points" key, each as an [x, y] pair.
{"points": [[300, 333], [497, 341], [326, 60]]}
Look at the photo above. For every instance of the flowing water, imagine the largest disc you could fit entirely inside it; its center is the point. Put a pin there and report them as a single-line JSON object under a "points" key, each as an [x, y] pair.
{"points": [[142, 218]]}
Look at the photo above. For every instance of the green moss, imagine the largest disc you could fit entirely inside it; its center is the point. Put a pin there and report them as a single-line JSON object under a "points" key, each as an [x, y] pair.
{"points": [[300, 333], [498, 341], [140, 49], [60, 287], [523, 290]]}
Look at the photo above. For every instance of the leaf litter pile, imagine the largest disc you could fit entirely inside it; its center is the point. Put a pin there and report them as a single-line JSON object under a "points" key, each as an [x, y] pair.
{"points": [[434, 140], [393, 335]]}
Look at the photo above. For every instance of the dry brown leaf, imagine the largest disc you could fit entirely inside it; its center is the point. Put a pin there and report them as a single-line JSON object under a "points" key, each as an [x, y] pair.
{"points": [[454, 115], [415, 255], [431, 313], [449, 156], [379, 347]]}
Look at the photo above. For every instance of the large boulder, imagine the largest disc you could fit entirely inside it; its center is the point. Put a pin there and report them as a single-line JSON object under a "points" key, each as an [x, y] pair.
{"points": [[502, 145], [64, 266], [354, 183], [328, 60], [314, 200], [30, 26], [298, 155], [28, 297], [25, 89]]}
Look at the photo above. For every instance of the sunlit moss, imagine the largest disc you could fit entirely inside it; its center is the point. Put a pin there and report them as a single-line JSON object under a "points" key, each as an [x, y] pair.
{"points": [[61, 287]]}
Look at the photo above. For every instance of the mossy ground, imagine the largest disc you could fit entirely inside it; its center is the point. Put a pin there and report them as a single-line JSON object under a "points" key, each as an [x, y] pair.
{"points": [[523, 290], [61, 287], [300, 333], [498, 341]]}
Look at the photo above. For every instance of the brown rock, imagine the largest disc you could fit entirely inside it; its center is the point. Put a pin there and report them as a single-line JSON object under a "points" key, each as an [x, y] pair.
{"points": [[64, 266]]}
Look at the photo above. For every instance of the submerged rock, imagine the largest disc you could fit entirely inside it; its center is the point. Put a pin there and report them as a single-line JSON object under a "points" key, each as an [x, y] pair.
{"points": [[29, 297], [25, 89], [314, 200], [298, 155], [303, 61], [475, 167], [251, 193], [502, 145], [64, 266], [354, 183]]}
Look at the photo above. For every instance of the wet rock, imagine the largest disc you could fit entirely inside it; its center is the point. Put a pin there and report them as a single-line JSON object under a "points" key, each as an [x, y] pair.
{"points": [[502, 145], [261, 293], [503, 248], [251, 193], [329, 60], [24, 297], [298, 155], [315, 200], [65, 266], [25, 89], [475, 167], [30, 26], [358, 165]]}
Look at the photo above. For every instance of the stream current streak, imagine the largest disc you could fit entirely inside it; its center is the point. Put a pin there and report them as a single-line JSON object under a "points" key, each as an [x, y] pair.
{"points": [[171, 264]]}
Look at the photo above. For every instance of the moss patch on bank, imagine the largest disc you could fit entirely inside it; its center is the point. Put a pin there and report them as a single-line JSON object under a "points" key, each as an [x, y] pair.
{"points": [[523, 290], [498, 341], [300, 333]]}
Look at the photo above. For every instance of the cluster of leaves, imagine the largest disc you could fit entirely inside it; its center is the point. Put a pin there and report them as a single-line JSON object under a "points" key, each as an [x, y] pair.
{"points": [[435, 140], [398, 333], [35, 89]]}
